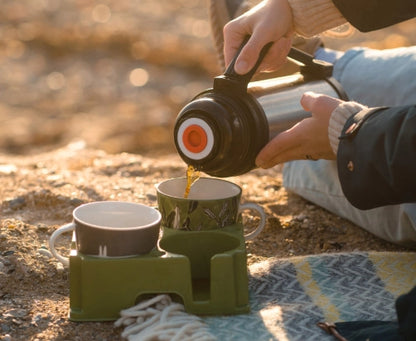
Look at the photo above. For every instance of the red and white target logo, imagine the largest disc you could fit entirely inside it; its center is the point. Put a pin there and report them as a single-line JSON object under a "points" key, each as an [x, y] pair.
{"points": [[195, 138]]}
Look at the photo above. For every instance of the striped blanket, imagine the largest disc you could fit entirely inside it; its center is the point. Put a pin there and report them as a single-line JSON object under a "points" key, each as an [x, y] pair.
{"points": [[289, 296]]}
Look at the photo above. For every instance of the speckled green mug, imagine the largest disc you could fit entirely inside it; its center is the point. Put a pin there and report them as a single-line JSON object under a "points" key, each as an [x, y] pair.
{"points": [[212, 204]]}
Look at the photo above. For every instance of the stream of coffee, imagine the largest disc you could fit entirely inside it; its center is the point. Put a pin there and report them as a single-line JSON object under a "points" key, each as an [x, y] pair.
{"points": [[192, 175]]}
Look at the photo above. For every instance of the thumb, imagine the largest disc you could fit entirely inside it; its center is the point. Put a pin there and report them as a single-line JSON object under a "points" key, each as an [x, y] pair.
{"points": [[308, 100], [318, 103]]}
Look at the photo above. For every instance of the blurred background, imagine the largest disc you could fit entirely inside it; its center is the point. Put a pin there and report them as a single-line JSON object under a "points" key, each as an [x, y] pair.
{"points": [[113, 73]]}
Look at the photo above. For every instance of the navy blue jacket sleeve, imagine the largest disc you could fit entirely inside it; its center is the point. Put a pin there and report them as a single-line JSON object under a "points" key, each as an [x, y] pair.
{"points": [[377, 157], [369, 15]]}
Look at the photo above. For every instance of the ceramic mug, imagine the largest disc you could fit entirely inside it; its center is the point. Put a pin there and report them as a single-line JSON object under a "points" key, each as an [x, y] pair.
{"points": [[212, 204], [111, 229]]}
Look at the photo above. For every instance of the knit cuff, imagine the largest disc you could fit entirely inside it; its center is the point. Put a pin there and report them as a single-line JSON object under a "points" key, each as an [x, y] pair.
{"points": [[338, 119], [312, 17]]}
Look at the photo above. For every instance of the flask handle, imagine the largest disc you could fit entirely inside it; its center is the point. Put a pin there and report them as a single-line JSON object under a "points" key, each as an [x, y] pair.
{"points": [[243, 80], [310, 67]]}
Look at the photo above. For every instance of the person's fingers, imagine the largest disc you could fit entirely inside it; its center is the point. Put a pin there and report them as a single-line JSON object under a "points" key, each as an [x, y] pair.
{"points": [[280, 148], [307, 139], [295, 153], [232, 41], [234, 34], [276, 57], [250, 54]]}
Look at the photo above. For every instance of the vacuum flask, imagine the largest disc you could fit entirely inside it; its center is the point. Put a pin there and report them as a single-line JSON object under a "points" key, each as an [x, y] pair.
{"points": [[222, 129]]}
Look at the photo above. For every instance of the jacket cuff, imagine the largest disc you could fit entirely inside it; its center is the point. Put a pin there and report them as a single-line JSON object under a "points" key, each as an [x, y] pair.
{"points": [[315, 16], [338, 119]]}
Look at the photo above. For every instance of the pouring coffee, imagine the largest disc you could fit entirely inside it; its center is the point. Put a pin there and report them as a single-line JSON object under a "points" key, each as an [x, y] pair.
{"points": [[222, 129]]}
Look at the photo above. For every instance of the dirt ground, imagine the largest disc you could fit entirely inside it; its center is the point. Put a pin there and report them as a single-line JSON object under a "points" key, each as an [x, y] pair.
{"points": [[90, 92]]}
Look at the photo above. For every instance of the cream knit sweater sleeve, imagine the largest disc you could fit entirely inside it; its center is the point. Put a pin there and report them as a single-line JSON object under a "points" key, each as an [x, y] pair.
{"points": [[312, 17], [338, 119]]}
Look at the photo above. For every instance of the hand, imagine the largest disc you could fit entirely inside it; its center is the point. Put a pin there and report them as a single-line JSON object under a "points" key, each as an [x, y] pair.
{"points": [[269, 21], [308, 139]]}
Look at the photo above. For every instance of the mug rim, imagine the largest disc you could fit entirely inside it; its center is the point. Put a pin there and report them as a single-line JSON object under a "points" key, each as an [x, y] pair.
{"points": [[110, 228], [205, 178]]}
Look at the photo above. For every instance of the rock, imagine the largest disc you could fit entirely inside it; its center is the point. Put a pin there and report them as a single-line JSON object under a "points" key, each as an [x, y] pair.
{"points": [[76, 202], [15, 314], [45, 252], [60, 268], [17, 203], [2, 267], [6, 337], [42, 227], [8, 169], [5, 327], [272, 187], [151, 197], [301, 217]]}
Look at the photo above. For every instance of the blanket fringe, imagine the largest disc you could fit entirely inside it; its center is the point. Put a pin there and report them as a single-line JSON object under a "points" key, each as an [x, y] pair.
{"points": [[159, 318]]}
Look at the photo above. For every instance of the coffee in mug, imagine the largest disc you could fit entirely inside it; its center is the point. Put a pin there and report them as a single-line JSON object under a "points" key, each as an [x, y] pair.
{"points": [[211, 204]]}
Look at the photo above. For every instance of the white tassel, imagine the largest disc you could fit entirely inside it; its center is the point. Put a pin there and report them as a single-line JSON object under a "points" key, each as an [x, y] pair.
{"points": [[160, 319]]}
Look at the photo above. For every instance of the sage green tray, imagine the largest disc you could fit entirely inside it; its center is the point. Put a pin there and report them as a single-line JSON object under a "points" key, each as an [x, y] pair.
{"points": [[204, 270]]}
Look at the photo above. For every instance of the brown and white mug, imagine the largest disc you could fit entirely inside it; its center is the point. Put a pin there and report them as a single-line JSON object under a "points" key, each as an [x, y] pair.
{"points": [[111, 229]]}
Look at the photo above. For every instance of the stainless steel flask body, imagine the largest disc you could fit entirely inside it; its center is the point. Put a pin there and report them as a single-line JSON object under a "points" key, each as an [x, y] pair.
{"points": [[221, 131], [280, 99]]}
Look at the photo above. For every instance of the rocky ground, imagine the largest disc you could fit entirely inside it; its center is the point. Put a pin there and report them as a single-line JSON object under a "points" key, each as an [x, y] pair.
{"points": [[90, 91]]}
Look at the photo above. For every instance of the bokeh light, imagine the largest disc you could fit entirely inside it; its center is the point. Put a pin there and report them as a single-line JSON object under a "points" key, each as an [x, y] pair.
{"points": [[200, 28], [139, 77], [15, 48], [55, 81], [101, 13]]}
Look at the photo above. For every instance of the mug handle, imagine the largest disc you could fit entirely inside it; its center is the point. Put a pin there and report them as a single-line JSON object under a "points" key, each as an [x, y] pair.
{"points": [[259, 209], [65, 228]]}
